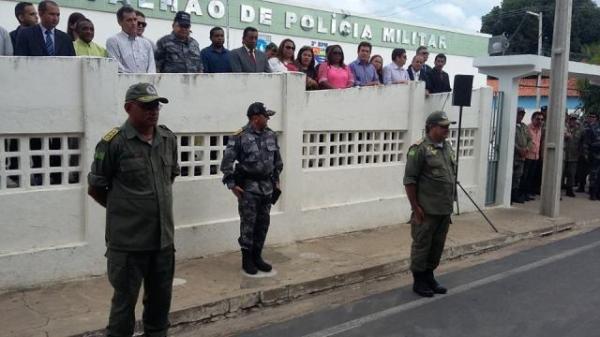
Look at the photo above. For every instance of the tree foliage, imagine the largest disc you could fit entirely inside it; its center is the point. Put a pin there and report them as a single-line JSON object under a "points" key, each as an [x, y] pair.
{"points": [[590, 94], [510, 18]]}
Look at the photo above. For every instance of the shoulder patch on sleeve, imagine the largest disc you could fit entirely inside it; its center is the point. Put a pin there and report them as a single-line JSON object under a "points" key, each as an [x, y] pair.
{"points": [[110, 134]]}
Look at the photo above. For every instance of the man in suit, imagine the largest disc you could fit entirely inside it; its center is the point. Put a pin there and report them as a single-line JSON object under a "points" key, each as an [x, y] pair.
{"points": [[247, 59], [27, 16], [415, 69], [438, 80], [44, 39]]}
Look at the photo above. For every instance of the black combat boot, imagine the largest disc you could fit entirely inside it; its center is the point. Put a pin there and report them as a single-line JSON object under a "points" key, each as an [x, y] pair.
{"points": [[570, 192], [259, 262], [433, 283], [420, 285], [593, 193], [248, 262]]}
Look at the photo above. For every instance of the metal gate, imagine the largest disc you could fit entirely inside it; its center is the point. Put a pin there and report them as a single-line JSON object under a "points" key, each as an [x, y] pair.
{"points": [[494, 147]]}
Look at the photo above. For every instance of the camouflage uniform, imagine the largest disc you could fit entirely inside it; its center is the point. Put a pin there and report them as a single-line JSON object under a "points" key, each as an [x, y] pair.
{"points": [[138, 177], [522, 142], [176, 56], [257, 170], [572, 152], [591, 146]]}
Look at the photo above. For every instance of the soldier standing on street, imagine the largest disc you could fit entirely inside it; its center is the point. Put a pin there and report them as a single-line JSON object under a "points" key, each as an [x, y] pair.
{"points": [[591, 148], [254, 180], [522, 144], [132, 176], [430, 182], [573, 149]]}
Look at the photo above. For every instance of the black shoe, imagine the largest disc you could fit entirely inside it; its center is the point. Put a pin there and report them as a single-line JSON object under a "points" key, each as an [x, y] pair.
{"points": [[248, 262], [516, 198], [570, 192], [580, 189], [420, 285], [433, 283], [260, 263]]}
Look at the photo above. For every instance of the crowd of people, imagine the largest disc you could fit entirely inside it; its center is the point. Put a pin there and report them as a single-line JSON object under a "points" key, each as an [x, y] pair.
{"points": [[179, 52], [581, 156]]}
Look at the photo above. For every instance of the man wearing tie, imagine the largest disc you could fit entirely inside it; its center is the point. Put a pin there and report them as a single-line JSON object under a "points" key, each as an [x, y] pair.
{"points": [[44, 39], [247, 59]]}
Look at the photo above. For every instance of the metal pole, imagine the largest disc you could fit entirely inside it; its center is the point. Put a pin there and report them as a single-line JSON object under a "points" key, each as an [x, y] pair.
{"points": [[460, 113], [553, 152], [539, 77], [227, 22]]}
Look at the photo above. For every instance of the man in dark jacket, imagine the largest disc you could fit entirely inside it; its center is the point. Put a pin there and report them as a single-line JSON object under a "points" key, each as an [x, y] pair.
{"points": [[44, 39], [437, 79]]}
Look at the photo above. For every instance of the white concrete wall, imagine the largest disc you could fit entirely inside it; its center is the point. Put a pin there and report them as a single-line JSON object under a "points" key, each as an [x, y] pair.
{"points": [[56, 232]]}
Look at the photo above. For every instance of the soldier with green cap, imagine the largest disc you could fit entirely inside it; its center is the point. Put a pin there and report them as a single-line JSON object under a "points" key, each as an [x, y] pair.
{"points": [[251, 166], [132, 176], [430, 182]]}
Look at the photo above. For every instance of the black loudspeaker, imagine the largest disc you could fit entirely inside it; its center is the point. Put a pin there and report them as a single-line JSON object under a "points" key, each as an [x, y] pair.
{"points": [[463, 86]]}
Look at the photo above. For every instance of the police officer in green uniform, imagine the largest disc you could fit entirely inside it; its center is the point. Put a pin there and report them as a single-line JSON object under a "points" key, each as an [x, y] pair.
{"points": [[132, 176], [522, 144], [429, 180], [254, 180]]}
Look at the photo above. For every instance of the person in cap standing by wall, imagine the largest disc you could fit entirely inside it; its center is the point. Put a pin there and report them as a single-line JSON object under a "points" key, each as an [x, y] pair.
{"points": [[430, 182], [573, 148], [178, 52], [591, 148], [522, 145], [254, 180], [132, 176]]}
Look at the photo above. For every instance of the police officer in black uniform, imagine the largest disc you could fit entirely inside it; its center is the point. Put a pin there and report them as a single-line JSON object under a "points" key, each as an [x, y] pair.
{"points": [[254, 180]]}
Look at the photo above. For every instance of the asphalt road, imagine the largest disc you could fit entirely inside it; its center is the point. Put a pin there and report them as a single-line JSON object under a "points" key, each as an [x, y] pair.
{"points": [[550, 291]]}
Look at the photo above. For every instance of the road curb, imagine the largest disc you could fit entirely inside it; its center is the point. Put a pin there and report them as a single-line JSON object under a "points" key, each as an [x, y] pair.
{"points": [[233, 306]]}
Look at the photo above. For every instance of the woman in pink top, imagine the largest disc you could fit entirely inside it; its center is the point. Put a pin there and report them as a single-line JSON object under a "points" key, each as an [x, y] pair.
{"points": [[334, 74]]}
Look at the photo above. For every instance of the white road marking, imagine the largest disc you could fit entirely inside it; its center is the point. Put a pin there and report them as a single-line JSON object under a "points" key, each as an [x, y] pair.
{"points": [[353, 324]]}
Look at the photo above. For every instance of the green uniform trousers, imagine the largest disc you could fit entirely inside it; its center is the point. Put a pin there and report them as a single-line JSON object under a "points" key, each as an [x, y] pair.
{"points": [[126, 272], [428, 242]]}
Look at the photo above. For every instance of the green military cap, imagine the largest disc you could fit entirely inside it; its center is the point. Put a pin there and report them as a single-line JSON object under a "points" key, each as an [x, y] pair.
{"points": [[143, 92], [438, 118]]}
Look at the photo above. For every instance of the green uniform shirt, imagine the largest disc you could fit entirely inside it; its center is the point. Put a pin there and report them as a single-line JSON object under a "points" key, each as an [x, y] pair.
{"points": [[522, 140], [573, 144], [139, 178], [432, 168]]}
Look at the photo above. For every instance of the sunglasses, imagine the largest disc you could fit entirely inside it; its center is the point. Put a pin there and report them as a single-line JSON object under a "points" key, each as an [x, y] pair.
{"points": [[184, 26], [142, 24], [150, 106], [336, 53], [290, 47]]}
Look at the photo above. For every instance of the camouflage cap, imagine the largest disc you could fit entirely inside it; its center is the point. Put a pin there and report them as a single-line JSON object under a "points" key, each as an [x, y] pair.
{"points": [[183, 18], [143, 92], [258, 108], [438, 118]]}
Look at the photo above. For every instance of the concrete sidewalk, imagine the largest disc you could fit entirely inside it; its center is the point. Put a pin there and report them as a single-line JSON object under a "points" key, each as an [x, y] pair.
{"points": [[213, 288]]}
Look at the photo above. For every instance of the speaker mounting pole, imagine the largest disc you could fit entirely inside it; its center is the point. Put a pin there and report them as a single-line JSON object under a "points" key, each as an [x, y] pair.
{"points": [[461, 97]]}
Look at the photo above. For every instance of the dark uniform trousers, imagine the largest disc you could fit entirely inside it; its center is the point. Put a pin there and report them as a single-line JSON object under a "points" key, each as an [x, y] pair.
{"points": [[428, 241], [126, 272], [254, 220]]}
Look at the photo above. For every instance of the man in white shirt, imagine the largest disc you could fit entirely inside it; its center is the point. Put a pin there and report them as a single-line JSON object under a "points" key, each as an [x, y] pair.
{"points": [[415, 72], [6, 47], [394, 72], [134, 54]]}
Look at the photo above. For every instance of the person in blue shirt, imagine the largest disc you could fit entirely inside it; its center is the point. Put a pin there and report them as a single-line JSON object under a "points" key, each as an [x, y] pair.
{"points": [[215, 58], [364, 72]]}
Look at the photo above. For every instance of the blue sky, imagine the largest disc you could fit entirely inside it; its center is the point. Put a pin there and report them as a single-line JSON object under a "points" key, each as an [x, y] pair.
{"points": [[458, 14]]}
